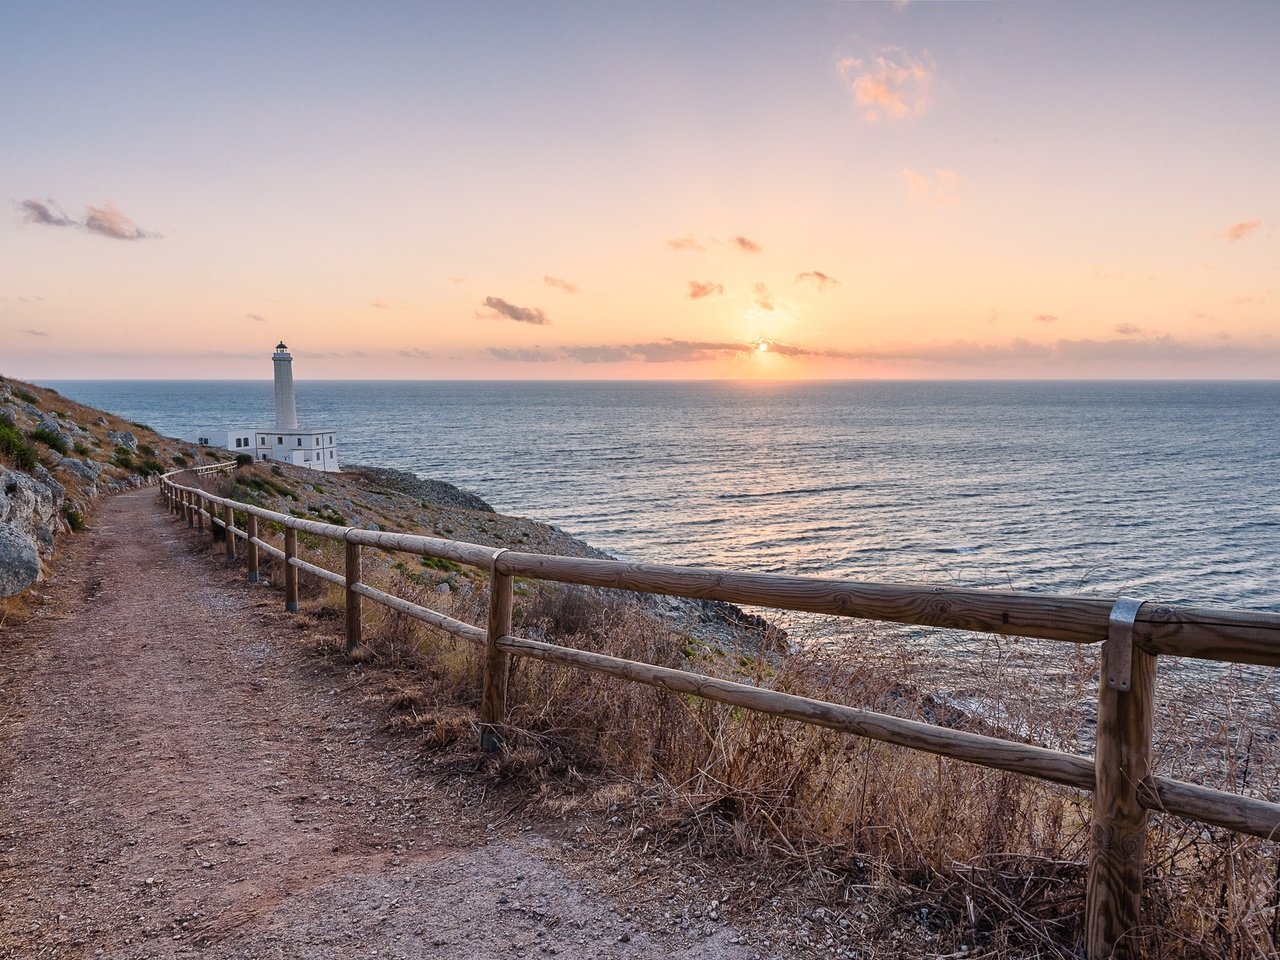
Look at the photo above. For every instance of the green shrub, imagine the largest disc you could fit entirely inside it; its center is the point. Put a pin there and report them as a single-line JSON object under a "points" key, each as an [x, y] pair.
{"points": [[439, 563], [123, 458], [74, 520], [50, 438], [179, 460], [15, 449], [81, 449], [146, 450], [243, 459], [26, 395], [149, 465]]}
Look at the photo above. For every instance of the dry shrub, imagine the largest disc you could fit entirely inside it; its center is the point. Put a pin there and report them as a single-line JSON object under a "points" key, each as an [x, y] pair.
{"points": [[1003, 856]]}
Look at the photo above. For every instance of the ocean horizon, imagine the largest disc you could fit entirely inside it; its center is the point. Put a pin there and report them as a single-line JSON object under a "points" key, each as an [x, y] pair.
{"points": [[1163, 489]]}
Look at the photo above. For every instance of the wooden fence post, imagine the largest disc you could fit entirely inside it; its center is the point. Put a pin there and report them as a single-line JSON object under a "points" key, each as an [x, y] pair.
{"points": [[230, 517], [353, 598], [199, 511], [290, 571], [186, 509], [1119, 828], [251, 548], [493, 697]]}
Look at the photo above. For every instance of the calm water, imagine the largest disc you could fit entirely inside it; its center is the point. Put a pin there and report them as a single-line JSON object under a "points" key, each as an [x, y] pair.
{"points": [[1163, 490]]}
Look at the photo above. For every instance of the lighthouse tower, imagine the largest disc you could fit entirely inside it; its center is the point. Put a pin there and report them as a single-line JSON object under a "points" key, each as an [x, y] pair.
{"points": [[286, 406], [315, 448]]}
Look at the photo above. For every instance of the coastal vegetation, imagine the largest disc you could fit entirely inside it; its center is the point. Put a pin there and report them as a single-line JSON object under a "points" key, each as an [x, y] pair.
{"points": [[955, 858], [58, 457]]}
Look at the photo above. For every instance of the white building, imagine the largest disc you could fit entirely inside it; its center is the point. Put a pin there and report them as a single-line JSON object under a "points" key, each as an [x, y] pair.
{"points": [[313, 448]]}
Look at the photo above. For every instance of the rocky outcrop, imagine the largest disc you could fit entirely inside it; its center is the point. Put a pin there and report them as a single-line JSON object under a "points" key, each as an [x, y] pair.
{"points": [[29, 517], [124, 438], [435, 492], [57, 457]]}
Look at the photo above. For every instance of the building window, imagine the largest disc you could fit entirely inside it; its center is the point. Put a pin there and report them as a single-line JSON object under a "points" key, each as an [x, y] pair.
{"points": [[299, 441], [262, 441], [330, 454], [317, 441], [279, 440]]}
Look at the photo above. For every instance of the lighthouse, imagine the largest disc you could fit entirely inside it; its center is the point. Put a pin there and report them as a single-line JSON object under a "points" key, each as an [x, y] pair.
{"points": [[314, 448], [286, 406]]}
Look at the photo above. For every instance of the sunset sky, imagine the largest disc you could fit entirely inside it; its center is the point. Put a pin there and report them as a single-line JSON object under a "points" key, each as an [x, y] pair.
{"points": [[666, 190]]}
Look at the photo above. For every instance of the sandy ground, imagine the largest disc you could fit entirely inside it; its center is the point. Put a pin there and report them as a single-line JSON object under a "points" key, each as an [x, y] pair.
{"points": [[181, 776]]}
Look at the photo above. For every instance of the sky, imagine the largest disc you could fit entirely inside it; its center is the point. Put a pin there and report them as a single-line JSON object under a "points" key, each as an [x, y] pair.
{"points": [[660, 190]]}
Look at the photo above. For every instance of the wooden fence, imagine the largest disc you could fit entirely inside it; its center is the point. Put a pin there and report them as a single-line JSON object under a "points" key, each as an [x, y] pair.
{"points": [[1132, 634]]}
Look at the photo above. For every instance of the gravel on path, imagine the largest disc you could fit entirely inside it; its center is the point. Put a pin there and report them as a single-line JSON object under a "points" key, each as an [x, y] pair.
{"points": [[181, 776]]}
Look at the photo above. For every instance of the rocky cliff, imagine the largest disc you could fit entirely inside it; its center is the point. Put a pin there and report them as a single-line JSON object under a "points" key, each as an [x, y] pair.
{"points": [[56, 458]]}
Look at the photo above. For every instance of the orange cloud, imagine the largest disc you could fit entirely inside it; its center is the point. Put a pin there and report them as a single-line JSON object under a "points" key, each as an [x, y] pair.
{"points": [[106, 220], [1238, 231], [685, 243], [894, 85], [564, 285], [501, 308], [699, 290], [1046, 318], [939, 190], [823, 280], [745, 244]]}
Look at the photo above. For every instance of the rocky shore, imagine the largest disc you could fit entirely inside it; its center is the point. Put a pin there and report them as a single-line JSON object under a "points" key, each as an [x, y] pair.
{"points": [[381, 498]]}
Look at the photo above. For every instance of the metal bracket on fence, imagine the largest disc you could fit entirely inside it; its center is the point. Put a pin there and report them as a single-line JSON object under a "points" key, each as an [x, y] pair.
{"points": [[1119, 643]]}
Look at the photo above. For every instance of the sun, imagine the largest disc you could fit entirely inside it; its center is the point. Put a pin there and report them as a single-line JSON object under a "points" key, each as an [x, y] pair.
{"points": [[762, 346]]}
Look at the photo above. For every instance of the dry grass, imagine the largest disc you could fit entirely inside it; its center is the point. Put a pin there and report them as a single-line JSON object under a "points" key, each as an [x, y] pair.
{"points": [[979, 857]]}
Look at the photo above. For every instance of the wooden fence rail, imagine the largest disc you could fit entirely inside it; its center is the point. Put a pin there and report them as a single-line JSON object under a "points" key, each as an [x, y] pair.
{"points": [[1133, 635]]}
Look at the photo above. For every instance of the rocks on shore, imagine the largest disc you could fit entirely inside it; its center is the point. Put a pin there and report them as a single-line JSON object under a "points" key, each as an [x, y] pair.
{"points": [[436, 492]]}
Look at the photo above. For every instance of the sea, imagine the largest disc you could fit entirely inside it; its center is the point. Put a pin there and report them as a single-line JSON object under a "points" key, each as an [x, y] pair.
{"points": [[1166, 491], [1160, 490]]}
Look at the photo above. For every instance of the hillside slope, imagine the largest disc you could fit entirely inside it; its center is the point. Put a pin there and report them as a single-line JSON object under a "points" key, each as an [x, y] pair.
{"points": [[56, 458]]}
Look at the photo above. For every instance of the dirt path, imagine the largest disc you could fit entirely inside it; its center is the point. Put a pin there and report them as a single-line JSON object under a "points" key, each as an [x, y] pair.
{"points": [[180, 777]]}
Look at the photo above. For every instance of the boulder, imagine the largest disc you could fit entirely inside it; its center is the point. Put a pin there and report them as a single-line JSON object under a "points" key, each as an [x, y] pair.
{"points": [[84, 469], [19, 561], [28, 516], [123, 438]]}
